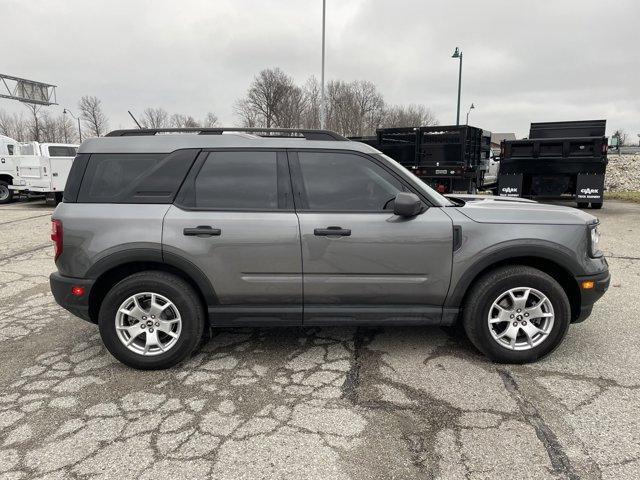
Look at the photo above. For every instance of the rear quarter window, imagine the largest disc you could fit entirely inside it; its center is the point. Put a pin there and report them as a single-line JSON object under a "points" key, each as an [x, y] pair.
{"points": [[61, 151], [134, 177]]}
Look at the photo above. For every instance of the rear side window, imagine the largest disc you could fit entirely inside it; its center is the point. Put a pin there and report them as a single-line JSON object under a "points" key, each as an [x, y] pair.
{"points": [[60, 151], [134, 177], [238, 180]]}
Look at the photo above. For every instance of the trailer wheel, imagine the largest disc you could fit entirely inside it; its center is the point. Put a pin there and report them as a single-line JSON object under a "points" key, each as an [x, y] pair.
{"points": [[583, 204], [596, 206], [6, 194]]}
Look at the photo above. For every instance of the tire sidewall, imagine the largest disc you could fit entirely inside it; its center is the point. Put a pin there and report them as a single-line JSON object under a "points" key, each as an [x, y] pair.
{"points": [[191, 313], [561, 309]]}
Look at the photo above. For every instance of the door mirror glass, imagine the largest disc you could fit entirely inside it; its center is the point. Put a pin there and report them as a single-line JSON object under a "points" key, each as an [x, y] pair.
{"points": [[407, 205]]}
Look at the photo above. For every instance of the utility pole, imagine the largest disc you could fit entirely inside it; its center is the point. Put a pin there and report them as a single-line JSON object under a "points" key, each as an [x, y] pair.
{"points": [[323, 114], [458, 54], [64, 112]]}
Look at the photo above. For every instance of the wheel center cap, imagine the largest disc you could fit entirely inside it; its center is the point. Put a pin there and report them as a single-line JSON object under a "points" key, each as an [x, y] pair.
{"points": [[519, 317]]}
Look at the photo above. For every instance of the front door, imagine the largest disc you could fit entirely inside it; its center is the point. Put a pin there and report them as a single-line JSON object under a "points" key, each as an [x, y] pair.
{"points": [[234, 220], [361, 262]]}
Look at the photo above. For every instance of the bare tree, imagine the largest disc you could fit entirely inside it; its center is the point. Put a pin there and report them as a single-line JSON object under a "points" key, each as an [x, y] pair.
{"points": [[311, 114], [155, 118], [179, 120], [408, 116], [352, 108], [94, 119], [266, 103], [210, 120], [14, 126]]}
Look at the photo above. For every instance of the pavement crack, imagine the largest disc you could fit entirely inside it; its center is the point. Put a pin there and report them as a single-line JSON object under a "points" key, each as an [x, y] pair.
{"points": [[558, 457], [352, 380], [23, 252], [25, 219]]}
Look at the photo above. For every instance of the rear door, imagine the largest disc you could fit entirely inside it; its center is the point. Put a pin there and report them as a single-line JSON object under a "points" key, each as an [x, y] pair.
{"points": [[362, 262], [234, 220]]}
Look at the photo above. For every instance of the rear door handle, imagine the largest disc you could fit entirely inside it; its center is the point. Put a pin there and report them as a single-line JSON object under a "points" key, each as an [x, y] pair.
{"points": [[332, 231], [202, 231]]}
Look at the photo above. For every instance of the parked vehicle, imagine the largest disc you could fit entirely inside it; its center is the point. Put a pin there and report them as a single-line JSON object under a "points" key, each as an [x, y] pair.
{"points": [[161, 237], [558, 160], [448, 158], [42, 168], [7, 168], [491, 175]]}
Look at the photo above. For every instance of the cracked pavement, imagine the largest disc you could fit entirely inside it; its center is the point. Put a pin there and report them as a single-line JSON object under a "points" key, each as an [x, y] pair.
{"points": [[314, 403]]}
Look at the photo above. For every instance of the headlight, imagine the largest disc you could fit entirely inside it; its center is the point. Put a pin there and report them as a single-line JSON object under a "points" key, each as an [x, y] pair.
{"points": [[594, 240]]}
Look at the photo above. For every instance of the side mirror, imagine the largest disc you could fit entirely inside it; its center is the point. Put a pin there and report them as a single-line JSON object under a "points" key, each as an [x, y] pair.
{"points": [[407, 205]]}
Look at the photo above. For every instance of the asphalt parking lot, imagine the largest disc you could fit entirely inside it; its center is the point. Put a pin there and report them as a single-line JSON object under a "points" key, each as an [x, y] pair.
{"points": [[314, 403]]}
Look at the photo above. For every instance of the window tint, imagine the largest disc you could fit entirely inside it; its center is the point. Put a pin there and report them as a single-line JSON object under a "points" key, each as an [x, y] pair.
{"points": [[247, 180], [60, 151], [346, 182], [134, 177]]}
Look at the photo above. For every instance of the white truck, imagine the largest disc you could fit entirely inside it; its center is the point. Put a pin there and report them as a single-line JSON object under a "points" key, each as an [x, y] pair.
{"points": [[7, 167], [42, 168]]}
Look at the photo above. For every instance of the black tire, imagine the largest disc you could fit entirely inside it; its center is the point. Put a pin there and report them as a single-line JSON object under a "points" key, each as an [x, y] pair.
{"points": [[179, 293], [6, 194], [489, 287], [596, 206], [583, 204]]}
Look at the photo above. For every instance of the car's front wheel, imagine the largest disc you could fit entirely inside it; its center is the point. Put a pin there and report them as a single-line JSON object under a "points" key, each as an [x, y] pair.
{"points": [[151, 320], [516, 314]]}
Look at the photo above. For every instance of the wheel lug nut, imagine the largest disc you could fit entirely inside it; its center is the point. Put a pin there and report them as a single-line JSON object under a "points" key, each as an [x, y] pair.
{"points": [[519, 310], [144, 318], [153, 316], [524, 322], [515, 324], [151, 330], [526, 314], [157, 324], [512, 315]]}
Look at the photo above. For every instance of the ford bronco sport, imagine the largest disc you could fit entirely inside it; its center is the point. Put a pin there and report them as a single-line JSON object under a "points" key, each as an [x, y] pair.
{"points": [[164, 234]]}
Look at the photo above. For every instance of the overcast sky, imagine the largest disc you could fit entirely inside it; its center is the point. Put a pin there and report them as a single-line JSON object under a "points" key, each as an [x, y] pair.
{"points": [[523, 60]]}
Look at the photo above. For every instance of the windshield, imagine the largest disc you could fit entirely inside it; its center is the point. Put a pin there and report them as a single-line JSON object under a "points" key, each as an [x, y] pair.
{"points": [[437, 198]]}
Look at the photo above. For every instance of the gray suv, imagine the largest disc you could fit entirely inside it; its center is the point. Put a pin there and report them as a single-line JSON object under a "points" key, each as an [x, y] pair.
{"points": [[163, 235]]}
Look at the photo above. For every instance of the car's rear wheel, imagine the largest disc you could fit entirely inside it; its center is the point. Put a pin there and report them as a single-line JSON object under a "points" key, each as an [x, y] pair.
{"points": [[151, 320], [516, 314], [596, 206], [6, 194]]}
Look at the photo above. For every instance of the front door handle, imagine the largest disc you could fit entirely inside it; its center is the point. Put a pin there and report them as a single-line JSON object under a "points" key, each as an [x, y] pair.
{"points": [[332, 231], [202, 231]]}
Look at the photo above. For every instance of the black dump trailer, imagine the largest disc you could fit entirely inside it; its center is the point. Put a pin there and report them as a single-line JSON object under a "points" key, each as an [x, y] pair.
{"points": [[448, 158], [558, 160]]}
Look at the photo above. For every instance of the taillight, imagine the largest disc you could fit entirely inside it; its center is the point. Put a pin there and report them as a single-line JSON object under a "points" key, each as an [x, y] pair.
{"points": [[604, 147], [56, 236]]}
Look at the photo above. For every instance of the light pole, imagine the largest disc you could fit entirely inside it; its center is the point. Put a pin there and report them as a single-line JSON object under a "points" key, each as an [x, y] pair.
{"points": [[458, 54], [470, 108], [64, 112], [323, 119]]}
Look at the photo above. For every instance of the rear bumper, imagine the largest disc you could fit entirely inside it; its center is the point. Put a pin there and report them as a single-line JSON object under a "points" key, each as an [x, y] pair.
{"points": [[61, 289], [591, 296]]}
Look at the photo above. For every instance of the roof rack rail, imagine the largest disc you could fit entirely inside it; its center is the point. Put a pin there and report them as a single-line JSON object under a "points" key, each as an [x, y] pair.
{"points": [[308, 134]]}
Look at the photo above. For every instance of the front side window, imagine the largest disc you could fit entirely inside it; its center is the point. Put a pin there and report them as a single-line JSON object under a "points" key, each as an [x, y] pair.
{"points": [[346, 182], [238, 180]]}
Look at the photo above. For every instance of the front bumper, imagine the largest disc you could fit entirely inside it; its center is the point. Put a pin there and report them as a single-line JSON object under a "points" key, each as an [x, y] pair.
{"points": [[590, 296], [61, 289]]}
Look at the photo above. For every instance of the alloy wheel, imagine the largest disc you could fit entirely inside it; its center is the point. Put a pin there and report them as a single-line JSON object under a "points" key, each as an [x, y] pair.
{"points": [[148, 323], [521, 318]]}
